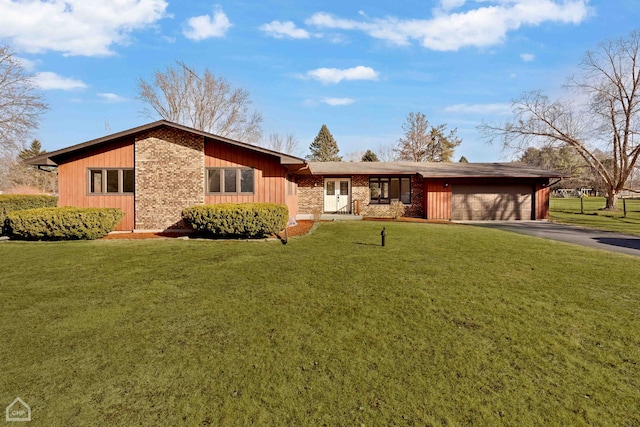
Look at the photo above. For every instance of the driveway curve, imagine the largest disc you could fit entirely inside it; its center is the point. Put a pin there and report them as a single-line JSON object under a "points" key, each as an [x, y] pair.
{"points": [[605, 240]]}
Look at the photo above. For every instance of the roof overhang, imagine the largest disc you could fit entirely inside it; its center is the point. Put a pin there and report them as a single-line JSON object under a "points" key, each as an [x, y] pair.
{"points": [[52, 158], [432, 170]]}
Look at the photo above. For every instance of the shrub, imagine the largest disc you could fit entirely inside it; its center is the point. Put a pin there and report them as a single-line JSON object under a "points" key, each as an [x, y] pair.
{"points": [[245, 219], [63, 223], [16, 202]]}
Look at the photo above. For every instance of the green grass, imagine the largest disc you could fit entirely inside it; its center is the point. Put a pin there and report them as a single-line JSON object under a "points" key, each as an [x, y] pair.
{"points": [[446, 325], [568, 211]]}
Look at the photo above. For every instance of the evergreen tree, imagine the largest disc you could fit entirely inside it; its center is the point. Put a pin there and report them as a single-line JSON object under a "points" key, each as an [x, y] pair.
{"points": [[324, 148], [33, 150], [369, 156], [463, 159]]}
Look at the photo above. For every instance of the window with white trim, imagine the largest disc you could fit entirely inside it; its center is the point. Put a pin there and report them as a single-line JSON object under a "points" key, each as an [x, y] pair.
{"points": [[111, 181], [230, 180]]}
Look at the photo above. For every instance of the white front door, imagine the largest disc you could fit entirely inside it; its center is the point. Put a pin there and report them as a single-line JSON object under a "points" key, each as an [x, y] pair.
{"points": [[337, 195]]}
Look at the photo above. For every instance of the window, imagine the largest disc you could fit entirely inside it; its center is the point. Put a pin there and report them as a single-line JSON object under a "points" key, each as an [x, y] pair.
{"points": [[388, 189], [111, 181], [230, 180]]}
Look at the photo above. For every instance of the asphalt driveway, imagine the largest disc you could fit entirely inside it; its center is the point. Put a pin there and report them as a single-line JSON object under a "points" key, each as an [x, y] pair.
{"points": [[606, 240]]}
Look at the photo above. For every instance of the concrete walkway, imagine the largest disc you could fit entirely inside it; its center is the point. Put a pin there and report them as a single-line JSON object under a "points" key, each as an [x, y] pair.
{"points": [[605, 240]]}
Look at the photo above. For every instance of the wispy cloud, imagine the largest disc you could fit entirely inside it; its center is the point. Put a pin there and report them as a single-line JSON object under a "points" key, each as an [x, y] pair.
{"points": [[27, 64], [111, 98], [206, 26], [496, 109], [527, 57], [480, 27], [47, 80], [451, 4], [336, 75], [75, 27], [338, 101], [288, 29]]}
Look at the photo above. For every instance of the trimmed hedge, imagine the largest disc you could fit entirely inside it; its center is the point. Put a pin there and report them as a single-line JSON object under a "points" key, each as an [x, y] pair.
{"points": [[17, 202], [232, 219], [65, 223]]}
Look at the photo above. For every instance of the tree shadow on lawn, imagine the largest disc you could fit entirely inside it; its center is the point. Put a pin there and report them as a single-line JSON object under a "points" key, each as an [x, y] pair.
{"points": [[621, 242]]}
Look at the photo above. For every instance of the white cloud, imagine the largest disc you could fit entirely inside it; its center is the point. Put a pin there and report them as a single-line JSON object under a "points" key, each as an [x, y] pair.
{"points": [[75, 27], [338, 101], [336, 75], [279, 30], [481, 27], [527, 57], [47, 80], [483, 109], [111, 98], [451, 4], [28, 64], [205, 26]]}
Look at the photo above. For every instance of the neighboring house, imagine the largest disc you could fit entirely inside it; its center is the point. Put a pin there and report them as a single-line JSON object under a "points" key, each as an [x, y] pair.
{"points": [[154, 171]]}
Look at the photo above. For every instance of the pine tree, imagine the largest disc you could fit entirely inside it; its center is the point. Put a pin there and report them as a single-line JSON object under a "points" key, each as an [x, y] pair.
{"points": [[324, 148], [369, 156], [463, 159], [33, 150]]}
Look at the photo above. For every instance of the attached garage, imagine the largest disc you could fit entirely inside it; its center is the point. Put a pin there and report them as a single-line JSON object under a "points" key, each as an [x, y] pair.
{"points": [[491, 202], [435, 191]]}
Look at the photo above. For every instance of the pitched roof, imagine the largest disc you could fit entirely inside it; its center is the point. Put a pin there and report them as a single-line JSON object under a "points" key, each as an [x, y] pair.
{"points": [[50, 159], [434, 170]]}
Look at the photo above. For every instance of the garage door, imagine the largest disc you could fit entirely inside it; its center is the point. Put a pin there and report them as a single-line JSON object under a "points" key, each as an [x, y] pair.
{"points": [[491, 202]]}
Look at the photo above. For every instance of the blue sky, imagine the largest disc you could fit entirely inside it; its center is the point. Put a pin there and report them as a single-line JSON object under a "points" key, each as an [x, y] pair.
{"points": [[358, 67]]}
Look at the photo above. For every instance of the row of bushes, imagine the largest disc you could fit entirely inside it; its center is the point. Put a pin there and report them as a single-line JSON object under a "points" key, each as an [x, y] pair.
{"points": [[246, 219], [16, 202], [34, 218]]}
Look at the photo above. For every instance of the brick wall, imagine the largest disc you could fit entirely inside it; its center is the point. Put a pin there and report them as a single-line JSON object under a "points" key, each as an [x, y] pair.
{"points": [[310, 194], [169, 172]]}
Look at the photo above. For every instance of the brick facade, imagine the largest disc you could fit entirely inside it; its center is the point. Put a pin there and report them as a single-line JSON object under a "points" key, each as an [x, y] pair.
{"points": [[310, 194], [169, 173], [311, 197]]}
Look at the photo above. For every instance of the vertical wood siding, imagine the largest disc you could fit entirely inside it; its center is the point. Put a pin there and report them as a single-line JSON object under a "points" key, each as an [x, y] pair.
{"points": [[437, 199], [72, 180], [542, 202], [291, 200], [269, 174]]}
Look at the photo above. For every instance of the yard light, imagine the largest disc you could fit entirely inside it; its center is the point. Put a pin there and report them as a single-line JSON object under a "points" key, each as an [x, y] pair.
{"points": [[383, 233]]}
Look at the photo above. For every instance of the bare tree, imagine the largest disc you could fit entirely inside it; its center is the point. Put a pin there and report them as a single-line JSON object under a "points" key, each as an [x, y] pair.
{"points": [[283, 144], [22, 178], [353, 156], [425, 143], [386, 152], [608, 121], [208, 103], [21, 105]]}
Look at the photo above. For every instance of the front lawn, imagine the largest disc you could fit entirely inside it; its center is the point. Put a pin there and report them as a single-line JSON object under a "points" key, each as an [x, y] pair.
{"points": [[446, 325], [591, 215]]}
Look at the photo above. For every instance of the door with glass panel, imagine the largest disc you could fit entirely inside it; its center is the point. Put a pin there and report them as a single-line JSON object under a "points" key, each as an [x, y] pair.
{"points": [[337, 197]]}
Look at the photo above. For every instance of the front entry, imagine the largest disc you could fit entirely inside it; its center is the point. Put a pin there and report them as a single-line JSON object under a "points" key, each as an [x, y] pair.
{"points": [[337, 195]]}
